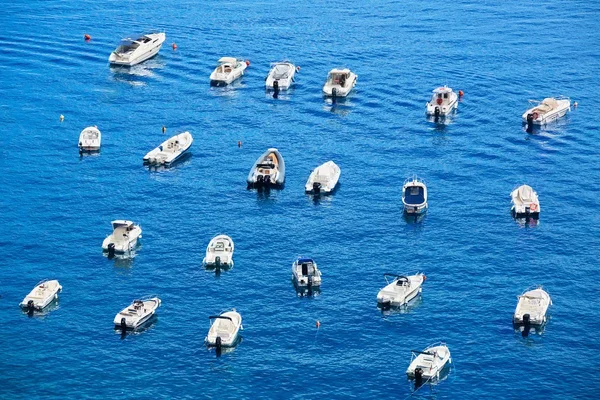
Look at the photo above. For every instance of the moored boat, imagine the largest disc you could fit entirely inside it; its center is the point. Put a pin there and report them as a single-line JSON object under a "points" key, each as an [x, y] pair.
{"points": [[90, 139], [170, 150], [400, 290], [339, 83], [219, 252], [228, 70], [525, 202], [135, 51], [224, 329], [41, 296], [414, 196], [323, 179], [545, 111], [123, 239], [428, 364], [281, 76], [532, 307], [443, 102], [268, 170], [138, 313], [306, 273]]}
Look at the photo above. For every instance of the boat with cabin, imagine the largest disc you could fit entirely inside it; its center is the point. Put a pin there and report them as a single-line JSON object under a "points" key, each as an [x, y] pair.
{"points": [[134, 51], [414, 196], [306, 273], [339, 83], [90, 139], [443, 102], [228, 70], [123, 239]]}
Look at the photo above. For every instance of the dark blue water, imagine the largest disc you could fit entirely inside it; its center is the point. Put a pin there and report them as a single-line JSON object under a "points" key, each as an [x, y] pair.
{"points": [[57, 207]]}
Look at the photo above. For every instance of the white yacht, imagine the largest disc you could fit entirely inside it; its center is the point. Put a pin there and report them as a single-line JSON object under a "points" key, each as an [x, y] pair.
{"points": [[228, 70], [414, 196], [400, 289], [123, 239], [525, 202], [90, 139], [170, 150], [219, 252], [532, 307], [340, 83], [428, 364], [41, 296], [443, 102], [305, 272], [281, 76], [224, 330], [545, 111], [268, 170], [134, 51], [136, 314], [323, 179]]}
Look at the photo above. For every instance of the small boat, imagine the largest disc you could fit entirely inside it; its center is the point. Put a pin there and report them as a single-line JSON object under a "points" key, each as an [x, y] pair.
{"points": [[443, 102], [323, 179], [305, 272], [548, 110], [268, 170], [41, 296], [414, 196], [228, 70], [90, 139], [134, 51], [170, 150], [400, 290], [525, 202], [532, 307], [427, 365], [123, 239], [219, 252], [340, 83], [224, 329], [281, 76], [136, 314]]}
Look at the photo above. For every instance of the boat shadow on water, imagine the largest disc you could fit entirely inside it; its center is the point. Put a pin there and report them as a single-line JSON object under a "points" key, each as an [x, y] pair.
{"points": [[225, 349], [88, 154], [529, 331], [137, 75], [403, 309], [217, 270], [146, 326], [413, 219], [306, 291], [43, 313], [431, 383]]}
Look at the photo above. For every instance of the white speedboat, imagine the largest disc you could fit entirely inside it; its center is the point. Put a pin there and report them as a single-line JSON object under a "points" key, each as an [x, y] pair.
{"points": [[228, 70], [305, 272], [219, 252], [525, 202], [443, 102], [90, 139], [427, 365], [414, 196], [532, 308], [268, 170], [134, 51], [323, 179], [41, 296], [136, 314], [123, 239], [340, 83], [400, 290], [224, 329], [548, 110], [170, 150], [281, 76]]}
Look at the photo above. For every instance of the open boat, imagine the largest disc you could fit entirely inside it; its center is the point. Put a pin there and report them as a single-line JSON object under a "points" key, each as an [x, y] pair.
{"points": [[281, 76], [305, 272], [170, 150], [532, 308], [443, 102], [414, 196], [136, 314], [41, 296], [219, 252], [340, 83], [525, 202], [548, 110], [400, 290], [224, 330], [268, 170], [90, 139], [323, 179], [123, 239], [228, 70], [134, 51], [428, 364]]}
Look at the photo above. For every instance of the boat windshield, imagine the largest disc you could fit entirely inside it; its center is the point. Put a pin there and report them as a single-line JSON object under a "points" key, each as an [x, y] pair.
{"points": [[219, 246], [414, 195], [90, 135], [338, 78], [127, 45], [266, 165]]}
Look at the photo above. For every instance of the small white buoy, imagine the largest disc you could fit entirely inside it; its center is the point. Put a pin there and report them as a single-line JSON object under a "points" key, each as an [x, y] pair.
{"points": [[62, 118]]}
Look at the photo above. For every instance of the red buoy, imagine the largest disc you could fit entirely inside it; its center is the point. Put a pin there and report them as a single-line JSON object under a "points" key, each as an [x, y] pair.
{"points": [[318, 324], [461, 93], [239, 143], [174, 46], [87, 37], [247, 63]]}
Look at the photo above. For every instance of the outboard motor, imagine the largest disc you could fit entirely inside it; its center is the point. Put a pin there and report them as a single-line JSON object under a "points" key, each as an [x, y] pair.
{"points": [[333, 95], [310, 282], [386, 305], [436, 113], [418, 377], [219, 346], [267, 180], [30, 307], [316, 188], [305, 269], [275, 89], [111, 250], [527, 212], [526, 325], [217, 263], [259, 180]]}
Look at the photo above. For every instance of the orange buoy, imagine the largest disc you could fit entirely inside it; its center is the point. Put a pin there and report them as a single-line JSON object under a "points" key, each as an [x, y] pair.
{"points": [[297, 68], [164, 129], [87, 37], [461, 93], [174, 46], [247, 63], [239, 143], [318, 324], [424, 278]]}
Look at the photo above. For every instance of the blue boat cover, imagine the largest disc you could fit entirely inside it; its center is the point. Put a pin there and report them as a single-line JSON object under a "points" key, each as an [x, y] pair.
{"points": [[414, 195], [304, 260]]}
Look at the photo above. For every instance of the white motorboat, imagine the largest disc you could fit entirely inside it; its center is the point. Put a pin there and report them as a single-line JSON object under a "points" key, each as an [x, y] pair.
{"points": [[41, 296], [281, 76], [414, 196], [224, 329], [268, 170], [134, 51], [305, 272], [443, 102], [228, 70], [323, 179], [136, 314], [170, 150], [525, 202], [532, 308], [400, 290], [340, 83], [545, 111], [219, 252], [123, 239], [90, 139], [427, 365]]}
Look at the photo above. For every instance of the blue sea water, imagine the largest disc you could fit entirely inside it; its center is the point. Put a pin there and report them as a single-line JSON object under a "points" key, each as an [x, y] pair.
{"points": [[57, 206]]}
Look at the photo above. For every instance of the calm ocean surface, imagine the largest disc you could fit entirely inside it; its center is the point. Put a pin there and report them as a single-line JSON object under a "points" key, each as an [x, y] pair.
{"points": [[57, 207]]}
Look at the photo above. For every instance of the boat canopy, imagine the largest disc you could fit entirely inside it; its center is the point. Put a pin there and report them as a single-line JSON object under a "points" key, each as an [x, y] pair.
{"points": [[220, 317], [281, 71], [120, 223], [443, 89], [414, 195], [225, 60], [303, 260]]}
